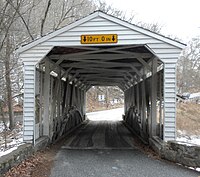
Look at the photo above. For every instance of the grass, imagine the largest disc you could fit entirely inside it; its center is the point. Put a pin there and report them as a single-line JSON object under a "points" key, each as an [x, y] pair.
{"points": [[188, 118]]}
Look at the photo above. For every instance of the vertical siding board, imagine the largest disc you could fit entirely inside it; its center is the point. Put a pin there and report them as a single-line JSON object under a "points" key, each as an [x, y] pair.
{"points": [[30, 58], [29, 102], [169, 103]]}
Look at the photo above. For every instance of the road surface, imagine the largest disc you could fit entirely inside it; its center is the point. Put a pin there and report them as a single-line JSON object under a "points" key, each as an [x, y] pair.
{"points": [[107, 149]]}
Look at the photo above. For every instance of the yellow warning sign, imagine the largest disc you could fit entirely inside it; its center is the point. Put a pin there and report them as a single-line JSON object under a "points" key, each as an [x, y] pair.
{"points": [[99, 39]]}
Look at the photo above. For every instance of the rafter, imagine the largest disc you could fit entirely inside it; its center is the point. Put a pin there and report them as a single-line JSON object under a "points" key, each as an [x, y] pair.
{"points": [[138, 57]]}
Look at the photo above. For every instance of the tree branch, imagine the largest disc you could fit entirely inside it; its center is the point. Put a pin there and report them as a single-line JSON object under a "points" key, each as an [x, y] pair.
{"points": [[22, 18], [44, 19]]}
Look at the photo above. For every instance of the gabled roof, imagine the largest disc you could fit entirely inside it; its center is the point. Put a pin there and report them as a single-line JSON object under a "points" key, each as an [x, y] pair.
{"points": [[110, 18]]}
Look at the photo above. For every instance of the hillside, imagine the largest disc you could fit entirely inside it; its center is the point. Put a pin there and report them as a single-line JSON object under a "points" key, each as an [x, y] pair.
{"points": [[188, 118]]}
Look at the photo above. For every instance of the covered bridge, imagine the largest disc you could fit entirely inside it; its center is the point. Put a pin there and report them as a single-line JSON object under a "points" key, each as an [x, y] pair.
{"points": [[99, 50]]}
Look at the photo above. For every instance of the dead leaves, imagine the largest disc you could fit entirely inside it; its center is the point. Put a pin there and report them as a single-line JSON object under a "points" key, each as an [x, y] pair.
{"points": [[26, 168]]}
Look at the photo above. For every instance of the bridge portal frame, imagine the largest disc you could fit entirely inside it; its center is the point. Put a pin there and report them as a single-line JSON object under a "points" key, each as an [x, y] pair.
{"points": [[38, 58]]}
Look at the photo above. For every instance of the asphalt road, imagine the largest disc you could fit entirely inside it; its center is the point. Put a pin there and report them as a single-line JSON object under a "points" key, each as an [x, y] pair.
{"points": [[107, 149]]}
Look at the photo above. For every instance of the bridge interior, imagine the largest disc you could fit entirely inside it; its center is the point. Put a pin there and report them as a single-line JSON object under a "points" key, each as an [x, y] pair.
{"points": [[65, 75]]}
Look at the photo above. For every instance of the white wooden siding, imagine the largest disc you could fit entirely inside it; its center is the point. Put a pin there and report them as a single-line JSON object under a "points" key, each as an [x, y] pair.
{"points": [[169, 101], [167, 50], [30, 58], [29, 101]]}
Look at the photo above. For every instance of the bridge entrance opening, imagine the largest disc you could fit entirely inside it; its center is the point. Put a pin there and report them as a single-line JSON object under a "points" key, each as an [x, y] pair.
{"points": [[131, 72], [71, 78]]}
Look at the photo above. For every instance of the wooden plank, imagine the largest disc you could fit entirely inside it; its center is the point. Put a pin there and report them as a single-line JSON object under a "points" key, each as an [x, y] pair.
{"points": [[154, 97], [29, 95], [160, 106], [46, 98]]}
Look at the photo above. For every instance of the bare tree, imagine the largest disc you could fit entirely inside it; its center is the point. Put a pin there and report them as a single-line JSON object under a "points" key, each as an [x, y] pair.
{"points": [[21, 20], [154, 27], [44, 18], [109, 9], [188, 74], [8, 84]]}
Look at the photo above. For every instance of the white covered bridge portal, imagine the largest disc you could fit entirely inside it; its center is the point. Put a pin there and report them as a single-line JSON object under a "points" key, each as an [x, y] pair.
{"points": [[99, 50]]}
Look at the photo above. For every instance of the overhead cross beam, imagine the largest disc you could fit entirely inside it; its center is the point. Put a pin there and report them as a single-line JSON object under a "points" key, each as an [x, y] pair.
{"points": [[99, 64], [139, 58]]}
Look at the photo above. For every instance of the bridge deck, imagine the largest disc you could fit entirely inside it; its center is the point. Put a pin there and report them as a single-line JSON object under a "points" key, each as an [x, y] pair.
{"points": [[101, 135]]}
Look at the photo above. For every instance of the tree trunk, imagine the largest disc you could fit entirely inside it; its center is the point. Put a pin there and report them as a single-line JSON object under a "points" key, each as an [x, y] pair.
{"points": [[8, 84], [4, 122]]}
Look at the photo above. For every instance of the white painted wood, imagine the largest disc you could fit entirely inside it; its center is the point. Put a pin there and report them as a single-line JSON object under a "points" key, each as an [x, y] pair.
{"points": [[144, 114], [29, 128], [169, 102], [154, 98], [37, 131], [28, 123], [46, 120], [160, 105], [29, 99]]}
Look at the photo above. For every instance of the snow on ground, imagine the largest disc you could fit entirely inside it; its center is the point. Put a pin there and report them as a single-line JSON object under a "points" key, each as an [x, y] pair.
{"points": [[14, 138], [183, 137], [1, 126], [10, 146], [2, 153], [110, 115]]}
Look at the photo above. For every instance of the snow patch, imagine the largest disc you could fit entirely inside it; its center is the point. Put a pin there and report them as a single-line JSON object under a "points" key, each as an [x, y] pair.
{"points": [[14, 139], [184, 138], [2, 153], [108, 115]]}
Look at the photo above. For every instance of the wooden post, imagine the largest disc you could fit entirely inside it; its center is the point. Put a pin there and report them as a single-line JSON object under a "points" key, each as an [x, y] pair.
{"points": [[41, 103], [143, 106], [51, 106], [73, 95], [67, 96], [84, 102], [125, 101], [138, 97], [160, 96], [169, 115], [59, 91], [153, 97], [46, 98]]}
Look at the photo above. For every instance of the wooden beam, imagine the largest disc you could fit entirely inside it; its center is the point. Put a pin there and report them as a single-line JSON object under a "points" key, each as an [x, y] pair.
{"points": [[139, 57], [98, 71], [160, 106], [117, 55], [141, 60], [101, 74], [144, 116], [41, 102], [154, 98], [73, 77], [100, 64], [104, 70], [62, 57], [65, 74], [111, 70], [46, 98], [136, 70]]}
